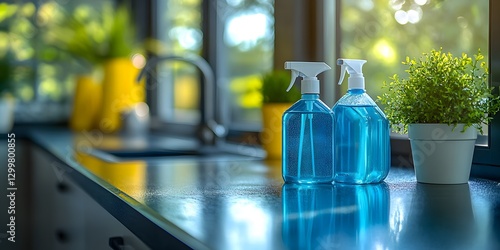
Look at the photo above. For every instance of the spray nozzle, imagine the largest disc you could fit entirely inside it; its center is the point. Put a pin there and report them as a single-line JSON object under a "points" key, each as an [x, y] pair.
{"points": [[309, 71], [355, 69]]}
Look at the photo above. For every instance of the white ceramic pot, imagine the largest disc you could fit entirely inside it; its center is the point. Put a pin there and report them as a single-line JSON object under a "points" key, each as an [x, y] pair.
{"points": [[441, 154], [6, 115]]}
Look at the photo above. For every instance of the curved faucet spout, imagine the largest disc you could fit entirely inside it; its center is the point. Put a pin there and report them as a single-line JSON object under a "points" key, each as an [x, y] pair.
{"points": [[209, 121]]}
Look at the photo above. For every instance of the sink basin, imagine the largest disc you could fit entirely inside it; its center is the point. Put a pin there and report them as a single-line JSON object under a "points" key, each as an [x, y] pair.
{"points": [[161, 154], [159, 148], [151, 153]]}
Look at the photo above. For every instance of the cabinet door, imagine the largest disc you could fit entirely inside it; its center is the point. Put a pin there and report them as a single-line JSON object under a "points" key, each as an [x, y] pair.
{"points": [[65, 216], [58, 213], [100, 226]]}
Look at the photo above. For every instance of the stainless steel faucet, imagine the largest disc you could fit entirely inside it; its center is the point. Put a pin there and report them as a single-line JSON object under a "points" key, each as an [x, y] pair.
{"points": [[210, 130]]}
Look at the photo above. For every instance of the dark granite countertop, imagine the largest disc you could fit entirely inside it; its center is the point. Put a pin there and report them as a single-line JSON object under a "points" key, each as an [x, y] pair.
{"points": [[242, 203]]}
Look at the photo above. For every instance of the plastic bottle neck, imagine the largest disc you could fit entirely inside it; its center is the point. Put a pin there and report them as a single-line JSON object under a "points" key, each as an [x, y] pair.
{"points": [[356, 91], [309, 96]]}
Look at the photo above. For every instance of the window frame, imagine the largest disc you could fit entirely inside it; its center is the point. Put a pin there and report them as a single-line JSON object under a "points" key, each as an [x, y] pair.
{"points": [[486, 161], [146, 19], [213, 51]]}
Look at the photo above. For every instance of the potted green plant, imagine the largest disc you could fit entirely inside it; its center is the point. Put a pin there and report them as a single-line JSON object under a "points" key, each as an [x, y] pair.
{"points": [[106, 42], [275, 102], [442, 104]]}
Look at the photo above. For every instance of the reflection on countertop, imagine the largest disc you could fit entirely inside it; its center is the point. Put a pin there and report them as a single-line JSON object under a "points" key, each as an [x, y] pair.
{"points": [[244, 204], [335, 216], [443, 215]]}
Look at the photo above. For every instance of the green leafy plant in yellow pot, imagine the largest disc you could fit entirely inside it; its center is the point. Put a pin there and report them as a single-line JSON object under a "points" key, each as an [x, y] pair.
{"points": [[442, 103], [275, 102], [106, 41]]}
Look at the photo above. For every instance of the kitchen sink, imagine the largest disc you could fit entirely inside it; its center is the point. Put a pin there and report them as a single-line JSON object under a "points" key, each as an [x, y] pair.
{"points": [[151, 153], [158, 148], [161, 154]]}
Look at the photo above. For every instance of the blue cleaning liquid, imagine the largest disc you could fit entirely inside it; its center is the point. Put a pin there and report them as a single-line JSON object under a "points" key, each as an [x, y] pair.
{"points": [[308, 143], [362, 144]]}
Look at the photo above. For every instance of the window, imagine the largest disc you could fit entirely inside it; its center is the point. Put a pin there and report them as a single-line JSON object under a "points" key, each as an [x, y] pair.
{"points": [[31, 73], [179, 29], [385, 32], [248, 43], [41, 75], [236, 37], [486, 161]]}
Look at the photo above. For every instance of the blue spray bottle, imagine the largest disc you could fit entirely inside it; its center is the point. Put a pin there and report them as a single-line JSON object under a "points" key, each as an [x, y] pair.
{"points": [[361, 134], [307, 130]]}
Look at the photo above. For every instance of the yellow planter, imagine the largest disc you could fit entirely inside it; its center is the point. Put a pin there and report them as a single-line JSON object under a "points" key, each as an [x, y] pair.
{"points": [[86, 103], [271, 134], [120, 92]]}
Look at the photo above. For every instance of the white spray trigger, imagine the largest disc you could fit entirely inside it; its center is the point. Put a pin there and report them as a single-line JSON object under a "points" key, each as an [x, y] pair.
{"points": [[295, 74], [309, 71], [342, 74], [354, 67]]}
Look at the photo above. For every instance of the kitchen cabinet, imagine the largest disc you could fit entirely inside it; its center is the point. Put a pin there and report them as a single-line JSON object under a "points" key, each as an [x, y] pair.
{"points": [[64, 216]]}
